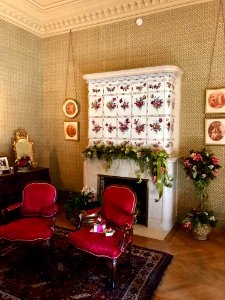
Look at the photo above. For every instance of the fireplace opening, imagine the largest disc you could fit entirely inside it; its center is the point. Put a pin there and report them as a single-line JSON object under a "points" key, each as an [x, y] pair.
{"points": [[141, 190]]}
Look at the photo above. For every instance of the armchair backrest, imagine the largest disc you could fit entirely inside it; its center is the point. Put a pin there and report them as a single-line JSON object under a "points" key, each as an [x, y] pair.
{"points": [[118, 205], [38, 199]]}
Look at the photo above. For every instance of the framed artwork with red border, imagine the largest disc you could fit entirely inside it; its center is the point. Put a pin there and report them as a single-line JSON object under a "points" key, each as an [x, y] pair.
{"points": [[70, 108], [215, 101], [71, 131], [215, 131]]}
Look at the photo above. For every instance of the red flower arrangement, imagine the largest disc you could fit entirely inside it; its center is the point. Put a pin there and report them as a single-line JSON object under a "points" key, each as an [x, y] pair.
{"points": [[24, 161]]}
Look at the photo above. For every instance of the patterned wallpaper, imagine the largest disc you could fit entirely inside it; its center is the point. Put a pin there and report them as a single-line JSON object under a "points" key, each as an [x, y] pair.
{"points": [[20, 87], [181, 37]]}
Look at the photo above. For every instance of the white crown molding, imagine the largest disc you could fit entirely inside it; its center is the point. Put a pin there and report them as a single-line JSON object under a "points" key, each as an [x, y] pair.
{"points": [[57, 17]]}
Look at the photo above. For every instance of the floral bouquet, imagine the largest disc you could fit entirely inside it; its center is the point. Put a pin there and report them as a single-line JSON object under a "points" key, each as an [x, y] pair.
{"points": [[201, 167], [196, 218], [23, 162], [84, 200]]}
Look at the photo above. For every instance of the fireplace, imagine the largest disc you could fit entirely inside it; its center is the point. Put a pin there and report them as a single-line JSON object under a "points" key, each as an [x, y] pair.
{"points": [[141, 190], [161, 215], [141, 107]]}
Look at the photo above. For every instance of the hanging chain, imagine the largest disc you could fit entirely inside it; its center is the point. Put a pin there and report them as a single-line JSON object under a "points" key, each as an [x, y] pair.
{"points": [[68, 60], [215, 37]]}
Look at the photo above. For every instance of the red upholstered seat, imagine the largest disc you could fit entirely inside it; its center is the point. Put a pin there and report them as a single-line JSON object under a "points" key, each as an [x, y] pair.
{"points": [[38, 211], [118, 206]]}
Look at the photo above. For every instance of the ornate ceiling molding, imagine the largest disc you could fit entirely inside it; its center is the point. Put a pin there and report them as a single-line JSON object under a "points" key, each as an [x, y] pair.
{"points": [[51, 17]]}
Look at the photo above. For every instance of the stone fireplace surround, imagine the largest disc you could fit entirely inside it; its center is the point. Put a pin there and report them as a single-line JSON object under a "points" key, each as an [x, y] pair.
{"points": [[161, 214]]}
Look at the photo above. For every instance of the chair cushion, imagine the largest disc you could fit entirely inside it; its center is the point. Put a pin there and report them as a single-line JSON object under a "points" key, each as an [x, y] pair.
{"points": [[118, 205], [38, 199], [27, 229], [97, 243]]}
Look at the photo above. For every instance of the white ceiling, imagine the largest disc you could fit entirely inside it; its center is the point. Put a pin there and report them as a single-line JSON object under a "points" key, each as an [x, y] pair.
{"points": [[50, 17]]}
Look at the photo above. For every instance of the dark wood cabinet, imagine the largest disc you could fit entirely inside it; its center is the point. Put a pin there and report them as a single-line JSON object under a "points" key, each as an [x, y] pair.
{"points": [[11, 185]]}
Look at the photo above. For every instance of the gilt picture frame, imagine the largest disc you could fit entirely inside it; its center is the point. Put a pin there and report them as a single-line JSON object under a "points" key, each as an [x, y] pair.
{"points": [[70, 108], [71, 131], [215, 101], [215, 131], [4, 164]]}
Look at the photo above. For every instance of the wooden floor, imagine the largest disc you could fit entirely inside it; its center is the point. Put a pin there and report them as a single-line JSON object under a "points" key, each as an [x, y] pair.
{"points": [[197, 271]]}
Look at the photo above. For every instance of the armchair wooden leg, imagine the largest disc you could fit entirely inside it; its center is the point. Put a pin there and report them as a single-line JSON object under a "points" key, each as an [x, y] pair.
{"points": [[129, 253], [114, 266]]}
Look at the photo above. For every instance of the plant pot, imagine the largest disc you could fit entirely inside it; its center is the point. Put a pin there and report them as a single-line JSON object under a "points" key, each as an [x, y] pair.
{"points": [[201, 233], [86, 221]]}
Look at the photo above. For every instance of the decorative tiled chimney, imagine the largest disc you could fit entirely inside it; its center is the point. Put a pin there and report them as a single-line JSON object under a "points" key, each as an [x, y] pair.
{"points": [[140, 106]]}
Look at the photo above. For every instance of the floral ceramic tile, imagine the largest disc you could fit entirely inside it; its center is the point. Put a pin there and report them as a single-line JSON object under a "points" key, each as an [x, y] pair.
{"points": [[169, 102], [139, 142], [124, 88], [124, 105], [168, 145], [95, 90], [139, 127], [168, 127], [155, 103], [155, 127], [170, 84], [95, 106], [95, 128], [110, 106], [139, 104], [110, 128], [140, 87], [124, 128], [156, 85], [110, 89]]}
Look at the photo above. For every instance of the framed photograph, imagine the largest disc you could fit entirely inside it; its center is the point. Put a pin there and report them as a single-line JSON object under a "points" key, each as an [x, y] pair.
{"points": [[4, 165], [71, 131], [215, 131], [215, 101], [70, 108]]}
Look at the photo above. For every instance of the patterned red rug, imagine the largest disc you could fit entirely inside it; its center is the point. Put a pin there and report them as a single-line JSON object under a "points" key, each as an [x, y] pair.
{"points": [[25, 274]]}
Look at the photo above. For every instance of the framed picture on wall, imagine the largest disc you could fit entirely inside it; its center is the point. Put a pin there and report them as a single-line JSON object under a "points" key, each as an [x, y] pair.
{"points": [[4, 165], [215, 101], [71, 131], [70, 108], [215, 131]]}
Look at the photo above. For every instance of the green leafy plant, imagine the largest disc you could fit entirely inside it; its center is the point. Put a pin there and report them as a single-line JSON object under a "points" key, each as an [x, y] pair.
{"points": [[153, 161], [201, 167], [84, 200], [196, 218]]}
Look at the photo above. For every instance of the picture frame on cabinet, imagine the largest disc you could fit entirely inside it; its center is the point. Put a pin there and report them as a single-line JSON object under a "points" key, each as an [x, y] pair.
{"points": [[215, 131], [4, 164], [70, 108], [71, 131], [215, 101]]}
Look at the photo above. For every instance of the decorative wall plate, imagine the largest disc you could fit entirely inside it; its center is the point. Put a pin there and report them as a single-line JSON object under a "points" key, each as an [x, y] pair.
{"points": [[70, 108]]}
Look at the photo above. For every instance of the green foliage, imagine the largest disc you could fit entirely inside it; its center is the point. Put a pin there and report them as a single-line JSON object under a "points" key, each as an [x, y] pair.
{"points": [[85, 200], [153, 161]]}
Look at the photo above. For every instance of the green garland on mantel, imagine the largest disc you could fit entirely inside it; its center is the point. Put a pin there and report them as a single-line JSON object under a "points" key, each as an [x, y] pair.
{"points": [[153, 161]]}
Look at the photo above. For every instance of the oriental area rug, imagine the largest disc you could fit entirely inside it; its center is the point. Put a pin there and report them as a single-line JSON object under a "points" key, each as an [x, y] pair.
{"points": [[27, 273]]}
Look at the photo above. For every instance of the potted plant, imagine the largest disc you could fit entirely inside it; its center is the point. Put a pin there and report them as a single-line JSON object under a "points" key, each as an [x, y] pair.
{"points": [[200, 222], [201, 167], [85, 200]]}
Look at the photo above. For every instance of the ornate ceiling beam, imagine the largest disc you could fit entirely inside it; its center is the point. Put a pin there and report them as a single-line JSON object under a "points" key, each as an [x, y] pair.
{"points": [[60, 17]]}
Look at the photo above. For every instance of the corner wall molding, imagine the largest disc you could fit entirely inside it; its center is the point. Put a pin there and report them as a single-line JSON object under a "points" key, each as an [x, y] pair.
{"points": [[77, 15]]}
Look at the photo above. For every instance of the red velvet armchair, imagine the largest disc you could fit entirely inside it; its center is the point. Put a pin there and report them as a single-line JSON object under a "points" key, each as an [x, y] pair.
{"points": [[118, 208], [37, 211]]}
